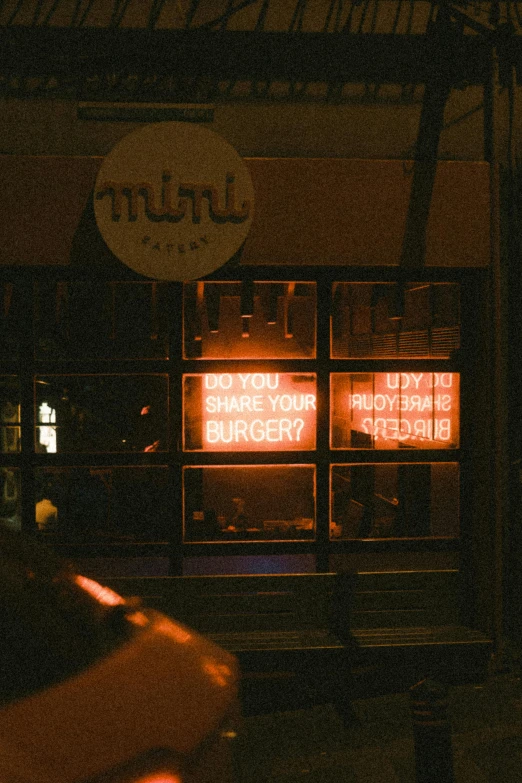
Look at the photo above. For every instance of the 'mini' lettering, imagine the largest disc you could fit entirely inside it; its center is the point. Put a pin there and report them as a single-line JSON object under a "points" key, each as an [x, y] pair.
{"points": [[173, 208]]}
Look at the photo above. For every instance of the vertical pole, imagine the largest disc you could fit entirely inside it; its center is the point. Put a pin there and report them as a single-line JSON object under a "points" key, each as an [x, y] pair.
{"points": [[431, 733], [498, 156], [509, 283], [443, 37]]}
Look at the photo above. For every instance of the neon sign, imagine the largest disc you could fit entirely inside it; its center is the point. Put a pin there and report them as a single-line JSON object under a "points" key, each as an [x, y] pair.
{"points": [[258, 411], [408, 410]]}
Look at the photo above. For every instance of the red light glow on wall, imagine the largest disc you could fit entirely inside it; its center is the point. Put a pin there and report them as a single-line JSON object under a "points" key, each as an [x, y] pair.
{"points": [[391, 410], [258, 411]]}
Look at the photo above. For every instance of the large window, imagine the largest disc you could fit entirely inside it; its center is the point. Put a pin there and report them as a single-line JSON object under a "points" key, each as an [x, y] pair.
{"points": [[237, 423]]}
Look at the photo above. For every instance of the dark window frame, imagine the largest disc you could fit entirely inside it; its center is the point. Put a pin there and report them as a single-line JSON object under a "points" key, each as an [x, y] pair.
{"points": [[472, 281]]}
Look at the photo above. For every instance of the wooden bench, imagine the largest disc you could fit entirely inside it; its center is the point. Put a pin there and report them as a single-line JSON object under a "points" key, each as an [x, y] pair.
{"points": [[408, 625], [296, 631]]}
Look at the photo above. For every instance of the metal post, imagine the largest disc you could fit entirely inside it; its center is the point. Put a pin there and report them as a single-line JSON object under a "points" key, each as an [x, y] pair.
{"points": [[498, 149], [432, 733]]}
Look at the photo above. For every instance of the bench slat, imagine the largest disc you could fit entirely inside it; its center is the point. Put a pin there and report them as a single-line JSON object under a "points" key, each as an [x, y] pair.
{"points": [[446, 579], [279, 603], [399, 618], [417, 636], [406, 624]]}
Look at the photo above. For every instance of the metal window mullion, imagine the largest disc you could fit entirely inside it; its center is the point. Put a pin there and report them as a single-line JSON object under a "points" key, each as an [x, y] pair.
{"points": [[323, 422], [175, 454], [27, 410]]}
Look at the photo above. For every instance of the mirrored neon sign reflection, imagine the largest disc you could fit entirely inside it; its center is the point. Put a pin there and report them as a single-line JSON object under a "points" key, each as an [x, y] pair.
{"points": [[393, 410]]}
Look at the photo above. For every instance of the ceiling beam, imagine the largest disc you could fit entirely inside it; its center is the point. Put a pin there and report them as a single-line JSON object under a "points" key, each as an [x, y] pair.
{"points": [[330, 57]]}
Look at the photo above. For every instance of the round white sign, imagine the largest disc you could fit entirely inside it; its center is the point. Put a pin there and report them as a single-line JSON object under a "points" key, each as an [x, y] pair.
{"points": [[173, 201]]}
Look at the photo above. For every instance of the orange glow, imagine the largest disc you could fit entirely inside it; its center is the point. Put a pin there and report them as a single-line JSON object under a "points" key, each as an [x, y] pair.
{"points": [[104, 595], [414, 409], [175, 632], [220, 673], [160, 777], [258, 411], [153, 446], [138, 618]]}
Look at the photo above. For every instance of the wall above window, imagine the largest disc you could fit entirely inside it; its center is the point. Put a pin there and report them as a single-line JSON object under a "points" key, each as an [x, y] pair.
{"points": [[308, 212]]}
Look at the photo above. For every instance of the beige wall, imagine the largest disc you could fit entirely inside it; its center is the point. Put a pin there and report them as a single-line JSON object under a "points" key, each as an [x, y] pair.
{"points": [[307, 211], [381, 125]]}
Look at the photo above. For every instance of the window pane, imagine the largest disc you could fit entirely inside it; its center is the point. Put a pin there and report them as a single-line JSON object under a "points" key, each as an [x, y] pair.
{"points": [[388, 320], [103, 504], [394, 501], [249, 412], [12, 317], [265, 502], [249, 320], [412, 410], [10, 508], [9, 414], [101, 413], [101, 320]]}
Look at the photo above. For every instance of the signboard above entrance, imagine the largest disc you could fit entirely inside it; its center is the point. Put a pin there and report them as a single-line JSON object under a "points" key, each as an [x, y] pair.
{"points": [[173, 201]]}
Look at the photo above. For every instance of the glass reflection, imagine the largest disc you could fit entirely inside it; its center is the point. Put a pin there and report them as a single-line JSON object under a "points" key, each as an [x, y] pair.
{"points": [[265, 502], [393, 320], [9, 414], [394, 501], [104, 504], [249, 320], [393, 410], [101, 413], [10, 498]]}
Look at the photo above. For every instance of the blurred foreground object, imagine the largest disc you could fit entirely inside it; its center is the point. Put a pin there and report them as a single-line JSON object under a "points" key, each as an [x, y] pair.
{"points": [[98, 689]]}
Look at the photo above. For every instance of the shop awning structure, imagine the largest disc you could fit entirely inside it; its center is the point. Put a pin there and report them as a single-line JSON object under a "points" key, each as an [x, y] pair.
{"points": [[154, 50]]}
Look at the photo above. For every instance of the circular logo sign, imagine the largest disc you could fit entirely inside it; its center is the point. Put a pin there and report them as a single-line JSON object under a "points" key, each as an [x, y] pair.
{"points": [[173, 201]]}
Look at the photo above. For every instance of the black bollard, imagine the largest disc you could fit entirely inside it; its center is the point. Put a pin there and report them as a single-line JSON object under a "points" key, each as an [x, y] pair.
{"points": [[432, 733]]}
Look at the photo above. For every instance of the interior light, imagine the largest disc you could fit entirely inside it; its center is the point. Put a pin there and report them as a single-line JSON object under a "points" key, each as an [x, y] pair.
{"points": [[271, 305], [288, 320], [200, 293], [138, 618], [213, 301], [396, 303], [176, 632], [47, 434]]}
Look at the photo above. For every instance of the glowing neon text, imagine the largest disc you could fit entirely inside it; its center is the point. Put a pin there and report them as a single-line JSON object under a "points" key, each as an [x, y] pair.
{"points": [[252, 411]]}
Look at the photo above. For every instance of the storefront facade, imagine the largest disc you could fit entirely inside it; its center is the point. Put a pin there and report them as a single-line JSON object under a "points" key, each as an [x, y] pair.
{"points": [[325, 397], [276, 415]]}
